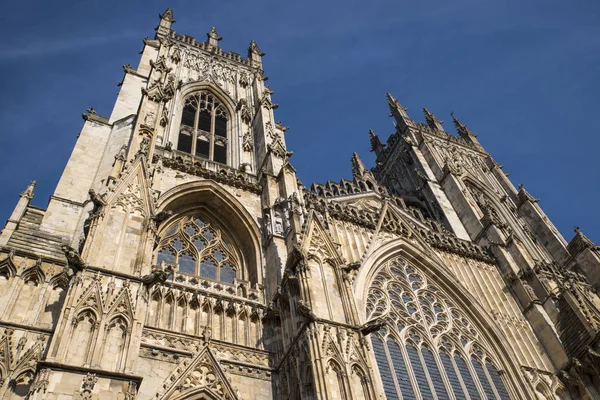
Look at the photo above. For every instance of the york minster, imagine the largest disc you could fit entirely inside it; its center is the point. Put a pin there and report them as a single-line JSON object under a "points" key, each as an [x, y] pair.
{"points": [[180, 257]]}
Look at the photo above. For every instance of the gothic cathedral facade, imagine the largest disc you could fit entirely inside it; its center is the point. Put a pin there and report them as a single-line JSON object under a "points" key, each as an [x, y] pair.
{"points": [[180, 258]]}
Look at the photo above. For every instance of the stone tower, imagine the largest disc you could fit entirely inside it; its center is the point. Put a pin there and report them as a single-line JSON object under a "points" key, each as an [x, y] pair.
{"points": [[180, 258]]}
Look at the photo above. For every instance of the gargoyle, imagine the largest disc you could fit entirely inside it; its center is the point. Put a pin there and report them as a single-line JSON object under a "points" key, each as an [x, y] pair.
{"points": [[157, 276], [306, 311], [74, 260], [372, 326], [158, 218], [348, 268]]}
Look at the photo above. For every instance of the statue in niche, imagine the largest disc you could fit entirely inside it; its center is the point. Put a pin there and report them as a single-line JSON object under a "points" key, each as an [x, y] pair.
{"points": [[279, 229], [149, 118], [267, 222], [144, 146]]}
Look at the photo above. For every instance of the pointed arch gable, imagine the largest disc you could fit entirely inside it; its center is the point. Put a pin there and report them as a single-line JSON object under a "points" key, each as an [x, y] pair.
{"points": [[136, 172], [212, 196], [7, 266], [191, 373], [316, 234], [430, 264]]}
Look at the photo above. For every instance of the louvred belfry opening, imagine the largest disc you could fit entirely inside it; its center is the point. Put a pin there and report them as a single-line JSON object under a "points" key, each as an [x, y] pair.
{"points": [[204, 127]]}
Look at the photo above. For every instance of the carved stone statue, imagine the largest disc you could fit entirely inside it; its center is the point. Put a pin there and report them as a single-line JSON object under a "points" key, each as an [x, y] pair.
{"points": [[144, 146], [278, 223], [267, 221]]}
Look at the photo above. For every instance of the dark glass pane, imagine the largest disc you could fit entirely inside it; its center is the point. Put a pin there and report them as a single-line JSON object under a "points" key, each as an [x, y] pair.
{"points": [[187, 264], [434, 373], [220, 154], [190, 230], [401, 373], [487, 388], [208, 234], [227, 274], [452, 377], [204, 121], [497, 379], [165, 255], [188, 116], [384, 369], [208, 269], [466, 376], [199, 243], [202, 147], [198, 221], [184, 143], [220, 127], [171, 230], [178, 244], [419, 372], [218, 255]]}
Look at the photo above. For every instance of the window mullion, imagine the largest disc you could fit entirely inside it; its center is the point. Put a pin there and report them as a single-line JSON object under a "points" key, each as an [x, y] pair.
{"points": [[211, 145], [195, 132]]}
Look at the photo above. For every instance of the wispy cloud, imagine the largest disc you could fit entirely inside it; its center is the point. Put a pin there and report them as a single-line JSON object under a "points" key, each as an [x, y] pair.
{"points": [[58, 45]]}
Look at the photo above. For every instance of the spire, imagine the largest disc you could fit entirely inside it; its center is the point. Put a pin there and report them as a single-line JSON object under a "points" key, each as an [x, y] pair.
{"points": [[432, 121], [213, 37], [166, 20], [358, 167], [254, 53], [376, 144], [399, 112], [29, 191]]}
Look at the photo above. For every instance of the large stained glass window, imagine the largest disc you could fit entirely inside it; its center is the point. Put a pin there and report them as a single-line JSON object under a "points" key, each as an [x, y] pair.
{"points": [[428, 348], [198, 246]]}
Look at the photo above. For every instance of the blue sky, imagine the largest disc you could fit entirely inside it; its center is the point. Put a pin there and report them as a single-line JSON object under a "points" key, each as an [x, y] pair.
{"points": [[524, 75]]}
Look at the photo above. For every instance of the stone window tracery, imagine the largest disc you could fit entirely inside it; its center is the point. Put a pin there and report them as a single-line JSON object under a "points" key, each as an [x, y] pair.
{"points": [[198, 246], [428, 346], [203, 131]]}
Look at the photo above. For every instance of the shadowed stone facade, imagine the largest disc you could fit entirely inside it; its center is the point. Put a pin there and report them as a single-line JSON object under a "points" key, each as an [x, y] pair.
{"points": [[180, 258]]}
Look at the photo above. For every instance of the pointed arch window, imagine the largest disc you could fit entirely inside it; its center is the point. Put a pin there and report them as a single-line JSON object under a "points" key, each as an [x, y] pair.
{"points": [[199, 246], [428, 348], [203, 131]]}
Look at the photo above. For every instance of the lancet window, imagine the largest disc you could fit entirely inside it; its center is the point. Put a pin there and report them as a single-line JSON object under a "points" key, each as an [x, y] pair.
{"points": [[198, 246], [428, 346], [204, 126]]}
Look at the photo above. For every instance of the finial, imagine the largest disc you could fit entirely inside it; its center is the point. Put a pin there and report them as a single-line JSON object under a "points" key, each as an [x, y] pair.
{"points": [[254, 49], [460, 127], [392, 102], [29, 191], [358, 167], [167, 15], [576, 229], [376, 144], [432, 121], [213, 37]]}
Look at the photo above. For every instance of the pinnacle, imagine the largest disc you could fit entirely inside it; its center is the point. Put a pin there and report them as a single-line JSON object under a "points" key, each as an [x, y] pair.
{"points": [[167, 15]]}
